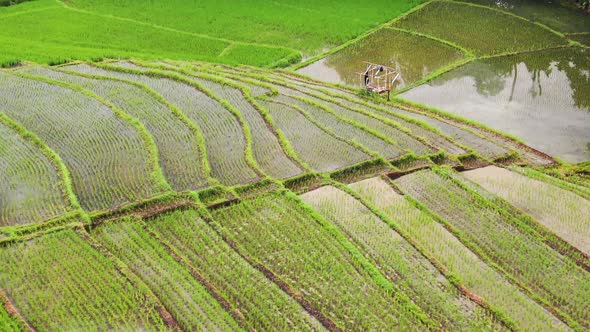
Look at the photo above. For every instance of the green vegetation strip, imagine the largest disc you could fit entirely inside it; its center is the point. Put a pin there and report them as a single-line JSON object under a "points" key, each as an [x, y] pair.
{"points": [[549, 278], [261, 145], [399, 260], [10, 319], [186, 298], [138, 176], [405, 111], [33, 185], [58, 281], [251, 295], [365, 135], [287, 215], [186, 80], [285, 143], [561, 217], [294, 91], [318, 147], [330, 131], [231, 168], [463, 268], [562, 176], [179, 114], [66, 185]]}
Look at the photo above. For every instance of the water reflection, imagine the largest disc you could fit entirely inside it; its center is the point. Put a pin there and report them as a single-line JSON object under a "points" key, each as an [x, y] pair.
{"points": [[541, 97], [414, 57]]}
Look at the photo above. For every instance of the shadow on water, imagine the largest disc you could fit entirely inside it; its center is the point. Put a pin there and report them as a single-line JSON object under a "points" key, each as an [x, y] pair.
{"points": [[561, 15], [413, 56], [541, 97]]}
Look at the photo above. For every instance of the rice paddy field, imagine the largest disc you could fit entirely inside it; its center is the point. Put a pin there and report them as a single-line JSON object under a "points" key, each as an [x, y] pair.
{"points": [[159, 172]]}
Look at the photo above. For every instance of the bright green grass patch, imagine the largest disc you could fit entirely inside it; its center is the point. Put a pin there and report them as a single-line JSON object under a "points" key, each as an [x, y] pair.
{"points": [[184, 296], [318, 263], [7, 322], [59, 282], [261, 303], [308, 26], [80, 35], [481, 30]]}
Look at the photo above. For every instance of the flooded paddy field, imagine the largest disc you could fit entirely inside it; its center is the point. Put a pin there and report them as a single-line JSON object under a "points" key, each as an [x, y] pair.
{"points": [[560, 15], [412, 56], [481, 30], [541, 97]]}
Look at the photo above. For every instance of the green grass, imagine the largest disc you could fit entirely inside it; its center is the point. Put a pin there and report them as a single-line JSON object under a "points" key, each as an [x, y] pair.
{"points": [[481, 30], [261, 302], [308, 26], [184, 296], [464, 267], [59, 282], [273, 34], [400, 261], [71, 34], [8, 323], [491, 231], [319, 265]]}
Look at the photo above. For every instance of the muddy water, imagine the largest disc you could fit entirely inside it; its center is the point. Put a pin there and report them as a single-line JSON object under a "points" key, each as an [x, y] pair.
{"points": [[414, 57], [559, 15], [541, 97]]}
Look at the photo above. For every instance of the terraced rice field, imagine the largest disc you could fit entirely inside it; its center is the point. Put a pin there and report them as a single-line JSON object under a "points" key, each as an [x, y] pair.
{"points": [[31, 185], [496, 32], [172, 195], [214, 247], [59, 281], [108, 156], [393, 48]]}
